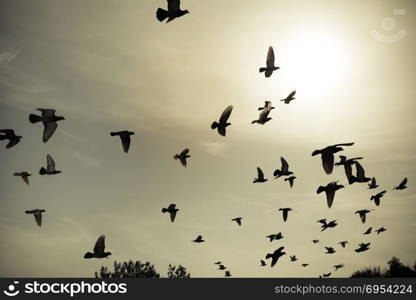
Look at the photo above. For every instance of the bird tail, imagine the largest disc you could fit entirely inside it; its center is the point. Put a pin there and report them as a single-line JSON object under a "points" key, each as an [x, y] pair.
{"points": [[161, 14], [42, 171], [34, 118], [88, 255], [164, 210], [176, 156], [261, 70], [214, 125], [254, 122]]}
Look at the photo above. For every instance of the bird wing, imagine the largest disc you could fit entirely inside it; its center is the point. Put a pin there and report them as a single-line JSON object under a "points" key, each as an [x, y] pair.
{"points": [[270, 57], [343, 144], [125, 141], [226, 114], [284, 215], [7, 131], [174, 5], [47, 112], [328, 162], [50, 163], [184, 152], [360, 170], [172, 206], [25, 179], [348, 172], [38, 218], [330, 194], [285, 165], [49, 129], [12, 142], [182, 159], [403, 183], [100, 245], [362, 217], [172, 215], [292, 94], [373, 181], [291, 180], [260, 174]]}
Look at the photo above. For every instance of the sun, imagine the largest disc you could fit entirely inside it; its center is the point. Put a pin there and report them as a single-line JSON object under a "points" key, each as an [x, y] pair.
{"points": [[314, 62]]}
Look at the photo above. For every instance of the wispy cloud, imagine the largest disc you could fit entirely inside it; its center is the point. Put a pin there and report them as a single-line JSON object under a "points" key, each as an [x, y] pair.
{"points": [[7, 56], [214, 149]]}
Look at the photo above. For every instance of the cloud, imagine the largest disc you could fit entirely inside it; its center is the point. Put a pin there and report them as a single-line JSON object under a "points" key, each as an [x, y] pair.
{"points": [[215, 149], [7, 56]]}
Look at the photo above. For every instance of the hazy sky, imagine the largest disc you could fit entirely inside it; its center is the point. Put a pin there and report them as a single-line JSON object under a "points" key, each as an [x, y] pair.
{"points": [[110, 65]]}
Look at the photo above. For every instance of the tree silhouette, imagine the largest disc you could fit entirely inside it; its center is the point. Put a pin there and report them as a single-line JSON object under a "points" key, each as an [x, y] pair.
{"points": [[395, 269], [138, 269]]}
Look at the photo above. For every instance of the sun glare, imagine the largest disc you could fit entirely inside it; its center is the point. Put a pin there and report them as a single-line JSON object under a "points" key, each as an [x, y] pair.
{"points": [[314, 62]]}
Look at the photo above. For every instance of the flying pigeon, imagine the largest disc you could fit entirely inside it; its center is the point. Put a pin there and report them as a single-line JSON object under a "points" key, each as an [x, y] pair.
{"points": [[172, 210], [174, 11], [50, 167], [25, 176], [402, 185], [373, 184], [8, 134], [380, 230], [293, 258], [37, 213], [305, 265], [198, 239], [315, 241], [368, 231], [284, 171], [262, 263], [327, 155], [331, 224], [49, 120], [223, 122], [285, 212], [362, 214], [221, 267], [260, 176], [99, 249], [125, 138], [360, 176], [329, 250], [276, 255], [377, 197], [277, 236], [238, 220], [363, 247], [330, 190], [182, 157], [263, 117], [326, 274], [289, 97], [227, 274], [343, 243], [270, 67], [338, 266], [347, 163]]}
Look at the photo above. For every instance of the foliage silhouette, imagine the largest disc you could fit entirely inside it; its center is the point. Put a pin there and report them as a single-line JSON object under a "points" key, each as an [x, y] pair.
{"points": [[395, 269], [138, 269]]}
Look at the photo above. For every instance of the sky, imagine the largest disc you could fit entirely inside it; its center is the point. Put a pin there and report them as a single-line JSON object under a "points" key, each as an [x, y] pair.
{"points": [[110, 65]]}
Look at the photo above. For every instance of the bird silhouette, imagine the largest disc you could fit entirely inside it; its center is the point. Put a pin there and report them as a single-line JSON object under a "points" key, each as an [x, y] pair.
{"points": [[276, 236], [330, 224], [326, 274], [289, 97], [360, 176], [227, 273], [125, 138], [330, 190], [329, 250], [276, 255], [284, 171], [198, 239], [99, 249], [380, 230], [291, 180], [222, 267], [270, 67], [363, 247], [337, 267], [285, 212], [315, 241], [50, 167], [260, 176], [343, 243], [238, 220], [182, 156], [347, 163], [377, 197], [293, 258], [49, 120], [373, 184], [305, 265], [223, 123], [217, 263], [362, 213], [402, 185], [174, 11], [37, 213], [368, 231], [263, 117], [327, 155], [262, 263], [8, 134], [172, 210], [267, 105], [24, 175]]}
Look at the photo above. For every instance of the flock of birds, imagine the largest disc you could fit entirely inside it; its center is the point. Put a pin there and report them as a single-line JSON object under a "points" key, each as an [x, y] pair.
{"points": [[50, 123]]}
